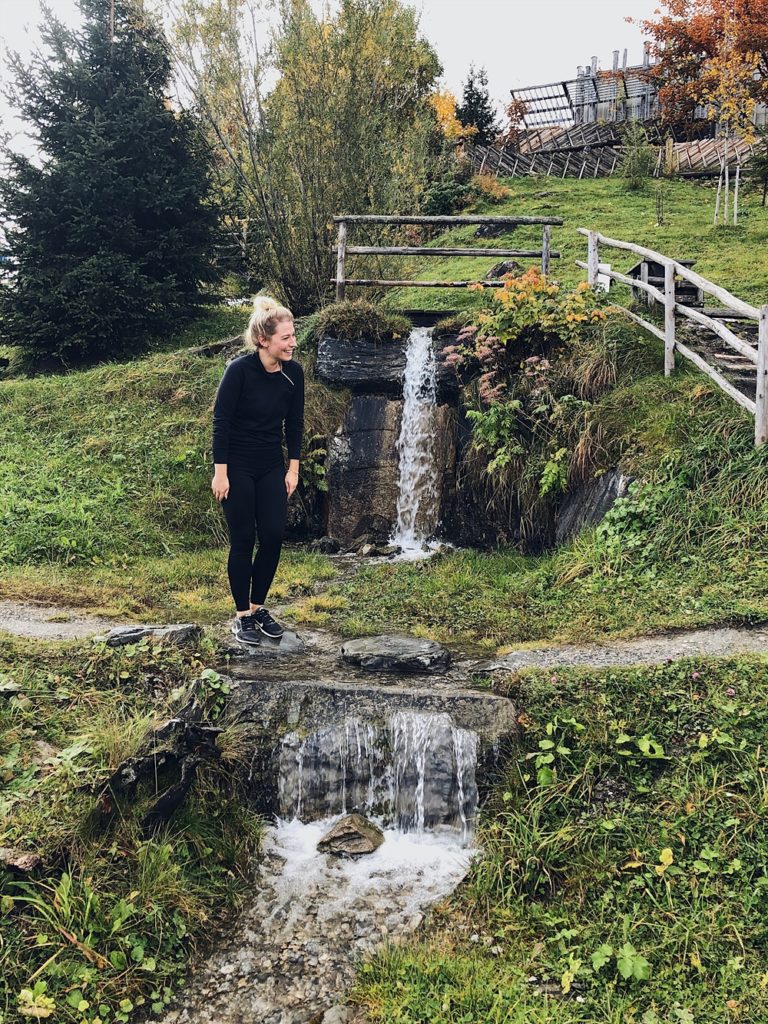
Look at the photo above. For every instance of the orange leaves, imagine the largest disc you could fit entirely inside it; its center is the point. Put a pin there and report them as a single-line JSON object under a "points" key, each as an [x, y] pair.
{"points": [[712, 52]]}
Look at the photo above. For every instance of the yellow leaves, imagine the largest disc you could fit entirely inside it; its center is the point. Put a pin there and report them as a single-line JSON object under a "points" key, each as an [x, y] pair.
{"points": [[633, 862], [666, 858], [444, 106]]}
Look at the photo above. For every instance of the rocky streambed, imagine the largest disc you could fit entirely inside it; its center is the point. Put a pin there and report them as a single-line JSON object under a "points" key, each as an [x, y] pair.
{"points": [[387, 727], [294, 949]]}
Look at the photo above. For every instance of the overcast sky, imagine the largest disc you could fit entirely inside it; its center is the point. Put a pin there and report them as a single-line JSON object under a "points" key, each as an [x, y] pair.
{"points": [[519, 42]]}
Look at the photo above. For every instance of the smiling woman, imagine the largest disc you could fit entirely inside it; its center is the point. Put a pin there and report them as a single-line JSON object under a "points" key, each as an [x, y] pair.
{"points": [[260, 395]]}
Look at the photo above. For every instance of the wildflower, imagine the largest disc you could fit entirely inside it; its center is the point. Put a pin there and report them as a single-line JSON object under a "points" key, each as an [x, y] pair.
{"points": [[695, 675], [730, 692]]}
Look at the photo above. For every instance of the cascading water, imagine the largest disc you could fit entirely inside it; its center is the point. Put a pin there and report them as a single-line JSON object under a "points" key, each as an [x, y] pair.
{"points": [[313, 917], [416, 772], [417, 505]]}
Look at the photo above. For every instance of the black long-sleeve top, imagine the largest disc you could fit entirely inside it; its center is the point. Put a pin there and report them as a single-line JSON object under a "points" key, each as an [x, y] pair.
{"points": [[251, 407]]}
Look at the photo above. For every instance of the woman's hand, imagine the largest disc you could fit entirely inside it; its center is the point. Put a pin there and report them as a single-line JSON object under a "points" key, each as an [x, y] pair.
{"points": [[291, 481], [220, 486]]}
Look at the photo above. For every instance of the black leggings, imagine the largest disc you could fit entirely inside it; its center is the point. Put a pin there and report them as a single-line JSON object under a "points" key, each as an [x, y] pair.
{"points": [[257, 500]]}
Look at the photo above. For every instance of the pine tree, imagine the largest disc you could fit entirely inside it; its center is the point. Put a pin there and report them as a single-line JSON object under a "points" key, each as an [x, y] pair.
{"points": [[476, 109], [109, 227]]}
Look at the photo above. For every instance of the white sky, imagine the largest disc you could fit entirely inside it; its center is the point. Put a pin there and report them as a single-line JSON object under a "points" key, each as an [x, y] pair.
{"points": [[519, 42]]}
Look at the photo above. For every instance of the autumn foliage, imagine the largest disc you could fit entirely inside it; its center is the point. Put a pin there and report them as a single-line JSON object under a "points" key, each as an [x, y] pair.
{"points": [[712, 53]]}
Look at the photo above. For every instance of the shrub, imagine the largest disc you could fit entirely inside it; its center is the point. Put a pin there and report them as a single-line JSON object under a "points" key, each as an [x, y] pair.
{"points": [[533, 363], [356, 318], [639, 157]]}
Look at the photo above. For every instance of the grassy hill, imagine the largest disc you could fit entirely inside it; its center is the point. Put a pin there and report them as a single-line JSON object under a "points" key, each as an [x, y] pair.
{"points": [[107, 470], [731, 257]]}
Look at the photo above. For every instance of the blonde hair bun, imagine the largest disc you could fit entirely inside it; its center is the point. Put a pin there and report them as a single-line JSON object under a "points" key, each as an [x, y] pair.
{"points": [[267, 314]]}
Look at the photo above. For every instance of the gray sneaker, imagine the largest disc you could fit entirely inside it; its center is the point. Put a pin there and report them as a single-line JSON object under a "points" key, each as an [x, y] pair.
{"points": [[246, 630]]}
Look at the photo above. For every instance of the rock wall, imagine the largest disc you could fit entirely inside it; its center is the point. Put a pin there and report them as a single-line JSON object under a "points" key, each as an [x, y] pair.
{"points": [[362, 467]]}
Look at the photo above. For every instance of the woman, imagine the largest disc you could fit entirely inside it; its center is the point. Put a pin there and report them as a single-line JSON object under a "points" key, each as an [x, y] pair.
{"points": [[259, 393]]}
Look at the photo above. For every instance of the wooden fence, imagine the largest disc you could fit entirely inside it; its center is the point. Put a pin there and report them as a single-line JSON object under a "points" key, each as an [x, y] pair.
{"points": [[342, 249], [673, 269]]}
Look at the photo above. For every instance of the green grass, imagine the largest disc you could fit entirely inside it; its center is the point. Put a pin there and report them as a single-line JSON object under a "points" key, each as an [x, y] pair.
{"points": [[190, 586], [730, 257], [104, 928], [624, 868], [113, 462], [689, 548]]}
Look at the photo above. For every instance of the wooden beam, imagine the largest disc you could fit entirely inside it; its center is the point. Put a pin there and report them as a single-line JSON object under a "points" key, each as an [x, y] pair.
{"points": [[722, 294], [593, 258], [424, 250], [761, 408], [669, 319], [341, 252], [371, 218], [364, 282], [546, 252]]}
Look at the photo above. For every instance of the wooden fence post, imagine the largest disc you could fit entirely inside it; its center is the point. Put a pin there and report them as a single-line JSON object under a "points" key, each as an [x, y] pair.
{"points": [[761, 411], [340, 257], [546, 236], [669, 318], [593, 258], [645, 298]]}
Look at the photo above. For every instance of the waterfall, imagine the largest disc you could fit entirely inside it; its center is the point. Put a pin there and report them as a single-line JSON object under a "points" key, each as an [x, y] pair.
{"points": [[415, 772], [417, 502]]}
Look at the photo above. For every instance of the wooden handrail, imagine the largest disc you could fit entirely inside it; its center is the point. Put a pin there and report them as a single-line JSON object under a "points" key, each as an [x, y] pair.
{"points": [[672, 267], [425, 250], [701, 282]]}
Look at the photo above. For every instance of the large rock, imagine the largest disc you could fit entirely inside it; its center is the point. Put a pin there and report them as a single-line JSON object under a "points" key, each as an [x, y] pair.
{"points": [[362, 467], [362, 364], [179, 633], [377, 368], [353, 836], [587, 505], [400, 654]]}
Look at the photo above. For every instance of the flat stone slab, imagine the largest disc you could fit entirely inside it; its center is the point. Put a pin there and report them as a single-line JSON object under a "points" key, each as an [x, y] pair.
{"points": [[289, 643], [403, 655], [177, 633], [695, 643]]}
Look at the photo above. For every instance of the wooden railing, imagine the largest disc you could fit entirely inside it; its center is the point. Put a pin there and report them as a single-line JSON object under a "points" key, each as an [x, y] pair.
{"points": [[673, 269], [342, 249]]}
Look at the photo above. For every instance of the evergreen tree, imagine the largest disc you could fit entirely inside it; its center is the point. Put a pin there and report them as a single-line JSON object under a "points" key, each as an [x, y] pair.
{"points": [[476, 109], [109, 228]]}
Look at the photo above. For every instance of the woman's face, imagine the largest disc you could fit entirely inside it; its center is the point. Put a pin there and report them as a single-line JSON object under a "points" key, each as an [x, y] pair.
{"points": [[282, 343]]}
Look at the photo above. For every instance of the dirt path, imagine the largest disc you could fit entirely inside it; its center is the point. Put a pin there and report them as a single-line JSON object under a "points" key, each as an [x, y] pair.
{"points": [[695, 643], [49, 622]]}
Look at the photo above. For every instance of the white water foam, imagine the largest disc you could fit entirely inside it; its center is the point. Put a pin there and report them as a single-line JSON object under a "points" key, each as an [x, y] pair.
{"points": [[417, 505], [407, 872]]}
